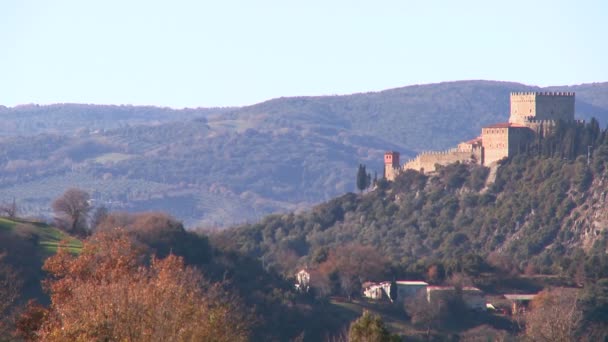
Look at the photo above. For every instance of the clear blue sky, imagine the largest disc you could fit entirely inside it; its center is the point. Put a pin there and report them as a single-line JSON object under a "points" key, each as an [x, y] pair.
{"points": [[222, 53]]}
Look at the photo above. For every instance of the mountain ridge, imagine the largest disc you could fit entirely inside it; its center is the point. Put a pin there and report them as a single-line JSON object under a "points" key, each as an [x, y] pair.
{"points": [[217, 167]]}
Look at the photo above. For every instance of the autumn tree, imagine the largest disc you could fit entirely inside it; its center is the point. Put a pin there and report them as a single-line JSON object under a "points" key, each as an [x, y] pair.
{"points": [[352, 265], [160, 232], [71, 210], [98, 216], [109, 292], [553, 316]]}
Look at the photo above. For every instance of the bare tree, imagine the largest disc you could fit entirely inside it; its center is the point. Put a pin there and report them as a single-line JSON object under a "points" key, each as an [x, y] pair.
{"points": [[9, 209], [554, 316], [71, 210], [425, 314], [10, 284]]}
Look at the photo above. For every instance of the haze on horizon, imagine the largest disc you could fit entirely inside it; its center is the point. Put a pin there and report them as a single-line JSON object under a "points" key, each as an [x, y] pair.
{"points": [[229, 53]]}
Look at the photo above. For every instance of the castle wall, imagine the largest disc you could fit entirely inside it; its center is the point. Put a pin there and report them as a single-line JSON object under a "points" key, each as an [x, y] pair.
{"points": [[531, 113], [503, 140], [390, 173], [523, 105], [426, 161], [495, 143]]}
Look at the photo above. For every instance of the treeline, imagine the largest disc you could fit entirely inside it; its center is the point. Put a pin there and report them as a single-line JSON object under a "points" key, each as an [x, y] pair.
{"points": [[569, 140]]}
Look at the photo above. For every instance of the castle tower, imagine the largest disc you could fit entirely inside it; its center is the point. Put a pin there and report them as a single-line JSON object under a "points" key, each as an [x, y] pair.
{"points": [[541, 106], [391, 165]]}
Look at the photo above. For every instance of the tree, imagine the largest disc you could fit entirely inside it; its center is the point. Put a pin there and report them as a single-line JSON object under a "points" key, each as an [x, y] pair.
{"points": [[370, 328], [425, 314], [10, 284], [71, 210], [10, 209], [353, 264], [109, 292], [594, 305], [553, 316], [99, 215], [362, 178]]}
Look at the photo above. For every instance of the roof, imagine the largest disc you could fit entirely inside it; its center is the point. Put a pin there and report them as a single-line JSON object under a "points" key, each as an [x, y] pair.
{"points": [[411, 282], [505, 125], [452, 288], [473, 141], [440, 288], [520, 297], [369, 284]]}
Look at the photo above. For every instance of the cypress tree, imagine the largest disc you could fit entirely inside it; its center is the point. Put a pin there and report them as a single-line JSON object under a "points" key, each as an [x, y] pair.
{"points": [[361, 178]]}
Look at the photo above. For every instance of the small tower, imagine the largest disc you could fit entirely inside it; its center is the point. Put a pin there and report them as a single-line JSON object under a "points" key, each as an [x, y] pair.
{"points": [[391, 165]]}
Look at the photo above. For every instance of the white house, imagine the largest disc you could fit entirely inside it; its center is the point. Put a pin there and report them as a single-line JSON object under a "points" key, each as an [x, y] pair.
{"points": [[404, 288], [377, 290]]}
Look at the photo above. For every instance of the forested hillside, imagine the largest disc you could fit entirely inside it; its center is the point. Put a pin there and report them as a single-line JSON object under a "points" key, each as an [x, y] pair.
{"points": [[217, 167], [544, 213]]}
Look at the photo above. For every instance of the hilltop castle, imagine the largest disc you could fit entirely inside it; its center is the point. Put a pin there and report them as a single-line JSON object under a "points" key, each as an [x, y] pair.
{"points": [[531, 113]]}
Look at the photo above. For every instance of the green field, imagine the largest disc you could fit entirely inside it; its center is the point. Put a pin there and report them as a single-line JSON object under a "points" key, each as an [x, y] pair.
{"points": [[48, 238]]}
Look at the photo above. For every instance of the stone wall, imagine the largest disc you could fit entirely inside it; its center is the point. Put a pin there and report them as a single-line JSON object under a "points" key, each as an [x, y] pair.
{"points": [[500, 141], [523, 105], [426, 161], [541, 106], [495, 143], [390, 172]]}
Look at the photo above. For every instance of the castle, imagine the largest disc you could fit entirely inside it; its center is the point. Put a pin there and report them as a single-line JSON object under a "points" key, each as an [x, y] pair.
{"points": [[531, 113]]}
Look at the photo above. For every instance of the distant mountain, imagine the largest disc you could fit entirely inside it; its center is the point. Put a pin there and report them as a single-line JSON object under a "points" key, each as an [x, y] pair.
{"points": [[69, 118], [227, 165]]}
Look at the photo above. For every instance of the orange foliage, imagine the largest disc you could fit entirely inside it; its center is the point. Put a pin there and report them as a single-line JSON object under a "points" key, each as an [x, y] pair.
{"points": [[108, 293]]}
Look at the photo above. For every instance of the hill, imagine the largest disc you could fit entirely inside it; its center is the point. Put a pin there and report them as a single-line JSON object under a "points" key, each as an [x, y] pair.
{"points": [[26, 245], [217, 167], [47, 238], [544, 213]]}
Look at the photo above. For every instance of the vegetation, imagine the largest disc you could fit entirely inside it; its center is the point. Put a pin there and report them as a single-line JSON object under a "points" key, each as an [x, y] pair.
{"points": [[536, 214], [71, 210], [369, 328], [205, 166], [539, 226], [109, 293]]}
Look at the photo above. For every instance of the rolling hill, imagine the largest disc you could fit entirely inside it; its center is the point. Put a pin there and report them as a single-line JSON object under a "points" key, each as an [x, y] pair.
{"points": [[217, 167]]}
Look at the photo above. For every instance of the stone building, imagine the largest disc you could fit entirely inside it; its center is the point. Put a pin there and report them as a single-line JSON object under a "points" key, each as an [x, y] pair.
{"points": [[502, 140], [530, 113], [391, 165], [538, 106]]}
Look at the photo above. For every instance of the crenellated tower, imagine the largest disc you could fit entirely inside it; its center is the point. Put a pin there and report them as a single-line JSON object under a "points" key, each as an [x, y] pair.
{"points": [[391, 165], [541, 106]]}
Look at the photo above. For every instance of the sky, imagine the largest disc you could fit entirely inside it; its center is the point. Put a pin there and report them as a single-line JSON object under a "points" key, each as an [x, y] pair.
{"points": [[179, 53]]}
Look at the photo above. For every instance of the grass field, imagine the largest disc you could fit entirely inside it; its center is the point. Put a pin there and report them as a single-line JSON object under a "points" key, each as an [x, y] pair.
{"points": [[49, 238]]}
